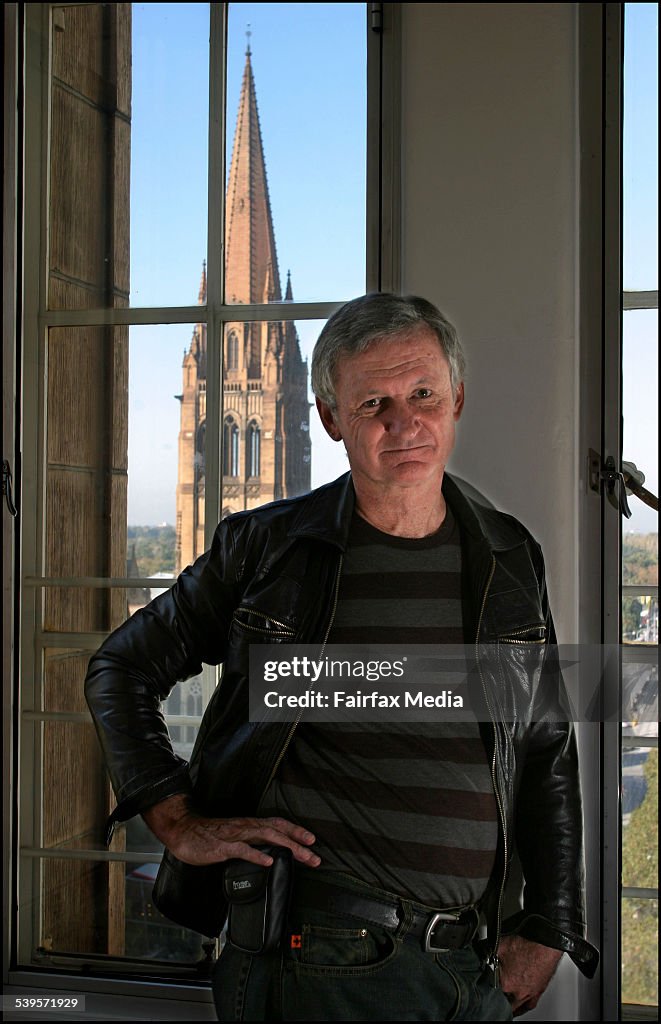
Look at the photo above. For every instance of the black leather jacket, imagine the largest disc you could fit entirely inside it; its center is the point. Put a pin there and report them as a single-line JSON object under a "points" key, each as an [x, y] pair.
{"points": [[271, 575]]}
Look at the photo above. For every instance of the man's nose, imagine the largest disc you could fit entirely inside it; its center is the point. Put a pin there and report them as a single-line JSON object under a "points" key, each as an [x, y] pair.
{"points": [[401, 418]]}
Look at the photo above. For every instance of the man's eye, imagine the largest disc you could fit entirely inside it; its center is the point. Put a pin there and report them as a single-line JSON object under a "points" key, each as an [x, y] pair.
{"points": [[423, 393], [371, 403]]}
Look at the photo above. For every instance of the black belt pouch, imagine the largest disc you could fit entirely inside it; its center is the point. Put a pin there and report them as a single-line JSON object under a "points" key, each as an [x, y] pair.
{"points": [[259, 900]]}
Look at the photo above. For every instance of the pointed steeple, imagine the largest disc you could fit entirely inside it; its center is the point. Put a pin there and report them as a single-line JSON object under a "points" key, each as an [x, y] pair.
{"points": [[202, 294], [289, 295], [251, 268]]}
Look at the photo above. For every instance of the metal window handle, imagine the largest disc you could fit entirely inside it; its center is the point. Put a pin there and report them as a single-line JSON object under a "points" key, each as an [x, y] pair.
{"points": [[6, 488], [628, 480], [634, 479], [612, 476]]}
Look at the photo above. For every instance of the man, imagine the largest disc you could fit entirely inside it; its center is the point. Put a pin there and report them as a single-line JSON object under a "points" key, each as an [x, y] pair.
{"points": [[401, 835]]}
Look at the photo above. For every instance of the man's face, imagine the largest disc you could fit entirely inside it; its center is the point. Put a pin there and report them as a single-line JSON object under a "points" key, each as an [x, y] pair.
{"points": [[395, 410]]}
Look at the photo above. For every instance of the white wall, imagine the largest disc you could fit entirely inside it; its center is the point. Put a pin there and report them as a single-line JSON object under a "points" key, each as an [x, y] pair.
{"points": [[489, 233], [489, 222]]}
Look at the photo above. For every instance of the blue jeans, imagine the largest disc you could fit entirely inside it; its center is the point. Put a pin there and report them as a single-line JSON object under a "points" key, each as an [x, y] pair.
{"points": [[338, 968]]}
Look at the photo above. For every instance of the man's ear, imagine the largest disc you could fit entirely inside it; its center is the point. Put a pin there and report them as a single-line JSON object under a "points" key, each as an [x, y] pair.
{"points": [[328, 420], [458, 400]]}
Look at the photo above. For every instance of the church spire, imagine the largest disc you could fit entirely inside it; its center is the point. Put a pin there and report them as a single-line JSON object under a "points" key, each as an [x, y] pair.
{"points": [[251, 268], [289, 295], [202, 294]]}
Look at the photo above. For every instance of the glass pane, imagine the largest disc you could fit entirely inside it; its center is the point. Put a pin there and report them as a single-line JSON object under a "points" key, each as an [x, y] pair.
{"points": [[90, 156], [106, 908], [641, 162], [129, 113], [296, 144], [273, 445], [158, 387], [640, 409], [86, 466], [184, 708], [169, 152], [640, 817], [640, 966]]}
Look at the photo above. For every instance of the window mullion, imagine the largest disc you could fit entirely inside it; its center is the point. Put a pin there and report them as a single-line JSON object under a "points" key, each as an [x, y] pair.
{"points": [[215, 266]]}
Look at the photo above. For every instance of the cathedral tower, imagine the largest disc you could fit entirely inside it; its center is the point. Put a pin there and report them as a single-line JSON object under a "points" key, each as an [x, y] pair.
{"points": [[265, 442]]}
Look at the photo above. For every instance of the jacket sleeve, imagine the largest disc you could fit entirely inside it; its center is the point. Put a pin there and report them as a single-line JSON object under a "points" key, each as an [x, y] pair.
{"points": [[139, 664], [549, 823]]}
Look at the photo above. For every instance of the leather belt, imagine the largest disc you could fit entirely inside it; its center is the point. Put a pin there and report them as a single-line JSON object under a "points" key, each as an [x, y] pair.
{"points": [[438, 931]]}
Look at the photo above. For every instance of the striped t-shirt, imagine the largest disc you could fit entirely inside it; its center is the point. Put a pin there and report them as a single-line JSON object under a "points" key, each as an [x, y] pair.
{"points": [[408, 807]]}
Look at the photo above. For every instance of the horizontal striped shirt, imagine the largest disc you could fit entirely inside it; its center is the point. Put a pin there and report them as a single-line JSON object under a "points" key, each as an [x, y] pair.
{"points": [[407, 806]]}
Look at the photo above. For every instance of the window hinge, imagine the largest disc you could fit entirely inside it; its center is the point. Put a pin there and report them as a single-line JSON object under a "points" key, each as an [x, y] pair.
{"points": [[7, 488], [376, 17]]}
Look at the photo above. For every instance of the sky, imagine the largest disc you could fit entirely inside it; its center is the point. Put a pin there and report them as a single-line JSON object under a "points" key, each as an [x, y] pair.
{"points": [[309, 66]]}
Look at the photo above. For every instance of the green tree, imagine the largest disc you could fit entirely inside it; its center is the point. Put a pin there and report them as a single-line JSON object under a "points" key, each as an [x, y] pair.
{"points": [[640, 918]]}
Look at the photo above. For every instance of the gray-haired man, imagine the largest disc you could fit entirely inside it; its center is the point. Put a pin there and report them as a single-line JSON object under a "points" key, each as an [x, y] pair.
{"points": [[401, 834]]}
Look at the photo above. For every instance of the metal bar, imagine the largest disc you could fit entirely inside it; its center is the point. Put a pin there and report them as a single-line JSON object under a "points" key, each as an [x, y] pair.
{"points": [[99, 582], [640, 300], [79, 641], [127, 317], [640, 589], [215, 268], [85, 717], [47, 853], [632, 892], [640, 741], [611, 445]]}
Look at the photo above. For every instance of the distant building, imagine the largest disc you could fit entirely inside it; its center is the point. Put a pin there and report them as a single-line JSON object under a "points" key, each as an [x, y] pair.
{"points": [[265, 443]]}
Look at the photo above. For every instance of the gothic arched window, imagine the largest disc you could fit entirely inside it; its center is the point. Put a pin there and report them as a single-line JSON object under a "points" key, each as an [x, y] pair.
{"points": [[230, 447], [253, 444], [233, 351]]}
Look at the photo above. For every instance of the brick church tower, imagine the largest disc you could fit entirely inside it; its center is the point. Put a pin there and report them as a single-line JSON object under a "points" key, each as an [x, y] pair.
{"points": [[265, 443]]}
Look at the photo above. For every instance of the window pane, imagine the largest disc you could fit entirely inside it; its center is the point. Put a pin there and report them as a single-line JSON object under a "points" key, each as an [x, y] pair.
{"points": [[640, 410], [641, 162], [128, 158], [269, 425], [106, 908], [64, 678], [640, 968], [90, 156], [164, 368], [640, 817], [169, 151], [296, 132], [87, 421]]}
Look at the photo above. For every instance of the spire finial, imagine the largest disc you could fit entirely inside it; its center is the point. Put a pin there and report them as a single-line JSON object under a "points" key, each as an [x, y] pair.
{"points": [[202, 294], [248, 35]]}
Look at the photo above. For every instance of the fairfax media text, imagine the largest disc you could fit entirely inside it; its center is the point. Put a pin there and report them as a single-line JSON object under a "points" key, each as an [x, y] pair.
{"points": [[375, 699]]}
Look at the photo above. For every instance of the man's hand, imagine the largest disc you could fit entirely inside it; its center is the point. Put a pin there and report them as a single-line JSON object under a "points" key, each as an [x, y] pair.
{"points": [[525, 970], [194, 839]]}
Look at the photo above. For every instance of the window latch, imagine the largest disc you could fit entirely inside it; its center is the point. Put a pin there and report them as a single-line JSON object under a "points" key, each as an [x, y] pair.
{"points": [[6, 488], [612, 479], [634, 479]]}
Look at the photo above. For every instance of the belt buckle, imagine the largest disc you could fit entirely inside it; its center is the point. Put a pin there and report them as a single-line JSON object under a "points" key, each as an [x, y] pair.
{"points": [[429, 930]]}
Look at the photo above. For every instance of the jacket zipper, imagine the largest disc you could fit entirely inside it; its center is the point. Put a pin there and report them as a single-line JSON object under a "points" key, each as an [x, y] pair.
{"points": [[269, 618], [492, 959], [521, 632], [298, 717]]}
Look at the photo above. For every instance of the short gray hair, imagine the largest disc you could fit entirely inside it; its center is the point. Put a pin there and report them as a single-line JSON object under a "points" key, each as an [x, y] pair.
{"points": [[371, 318]]}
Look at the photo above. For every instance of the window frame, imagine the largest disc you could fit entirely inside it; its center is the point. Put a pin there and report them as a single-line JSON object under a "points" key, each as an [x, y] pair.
{"points": [[30, 27], [615, 301]]}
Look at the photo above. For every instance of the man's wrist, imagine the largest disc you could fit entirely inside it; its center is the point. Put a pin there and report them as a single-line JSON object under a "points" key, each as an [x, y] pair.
{"points": [[167, 815]]}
